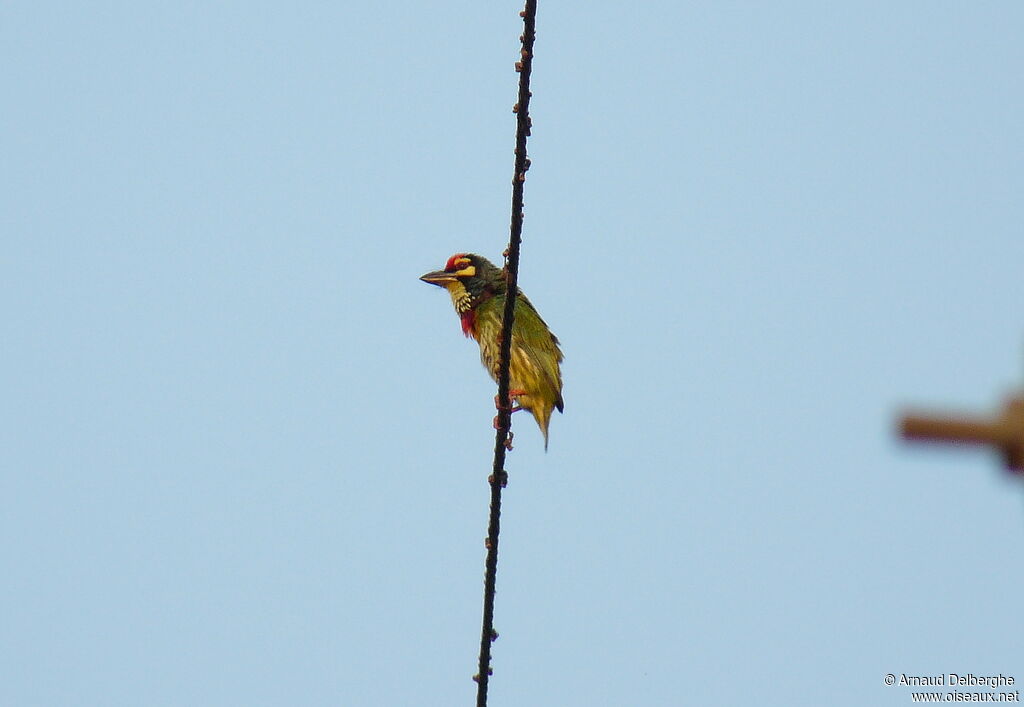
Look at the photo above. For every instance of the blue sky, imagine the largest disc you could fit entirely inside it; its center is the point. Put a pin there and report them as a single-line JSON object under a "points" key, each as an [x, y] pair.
{"points": [[245, 449]]}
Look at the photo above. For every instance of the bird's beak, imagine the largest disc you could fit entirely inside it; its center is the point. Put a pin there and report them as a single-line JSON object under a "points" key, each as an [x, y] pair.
{"points": [[439, 278]]}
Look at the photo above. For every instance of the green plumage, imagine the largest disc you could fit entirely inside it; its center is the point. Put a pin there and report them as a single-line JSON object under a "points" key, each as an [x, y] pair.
{"points": [[478, 290], [534, 366]]}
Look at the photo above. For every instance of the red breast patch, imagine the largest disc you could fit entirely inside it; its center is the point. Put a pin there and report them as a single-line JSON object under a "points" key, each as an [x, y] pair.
{"points": [[468, 323]]}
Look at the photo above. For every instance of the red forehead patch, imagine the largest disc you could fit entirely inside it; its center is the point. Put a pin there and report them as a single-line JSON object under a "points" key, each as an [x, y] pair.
{"points": [[450, 265]]}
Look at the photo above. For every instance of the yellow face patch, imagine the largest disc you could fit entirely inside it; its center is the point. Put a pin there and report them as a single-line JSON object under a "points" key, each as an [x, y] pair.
{"points": [[468, 271]]}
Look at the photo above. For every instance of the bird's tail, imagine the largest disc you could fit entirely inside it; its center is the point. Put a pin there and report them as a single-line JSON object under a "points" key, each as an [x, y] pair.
{"points": [[542, 414]]}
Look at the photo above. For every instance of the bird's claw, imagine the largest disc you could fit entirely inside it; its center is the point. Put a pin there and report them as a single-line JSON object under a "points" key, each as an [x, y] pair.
{"points": [[511, 407]]}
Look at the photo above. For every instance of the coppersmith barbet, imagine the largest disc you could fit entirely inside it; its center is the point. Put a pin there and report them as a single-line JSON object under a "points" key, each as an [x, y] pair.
{"points": [[478, 288]]}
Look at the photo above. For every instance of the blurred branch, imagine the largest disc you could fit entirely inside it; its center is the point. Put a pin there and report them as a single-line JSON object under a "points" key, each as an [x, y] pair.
{"points": [[503, 437], [1005, 431]]}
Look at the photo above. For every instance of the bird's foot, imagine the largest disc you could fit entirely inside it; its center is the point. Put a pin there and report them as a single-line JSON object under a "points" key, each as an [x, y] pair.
{"points": [[512, 407]]}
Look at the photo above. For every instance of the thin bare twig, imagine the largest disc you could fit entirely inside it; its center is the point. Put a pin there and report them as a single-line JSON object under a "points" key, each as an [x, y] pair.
{"points": [[1004, 432], [498, 476]]}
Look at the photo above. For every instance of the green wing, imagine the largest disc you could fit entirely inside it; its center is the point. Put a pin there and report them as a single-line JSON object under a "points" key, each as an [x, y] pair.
{"points": [[532, 334]]}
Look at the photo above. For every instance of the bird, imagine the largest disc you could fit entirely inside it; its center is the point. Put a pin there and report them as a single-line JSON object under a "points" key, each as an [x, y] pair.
{"points": [[478, 288]]}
